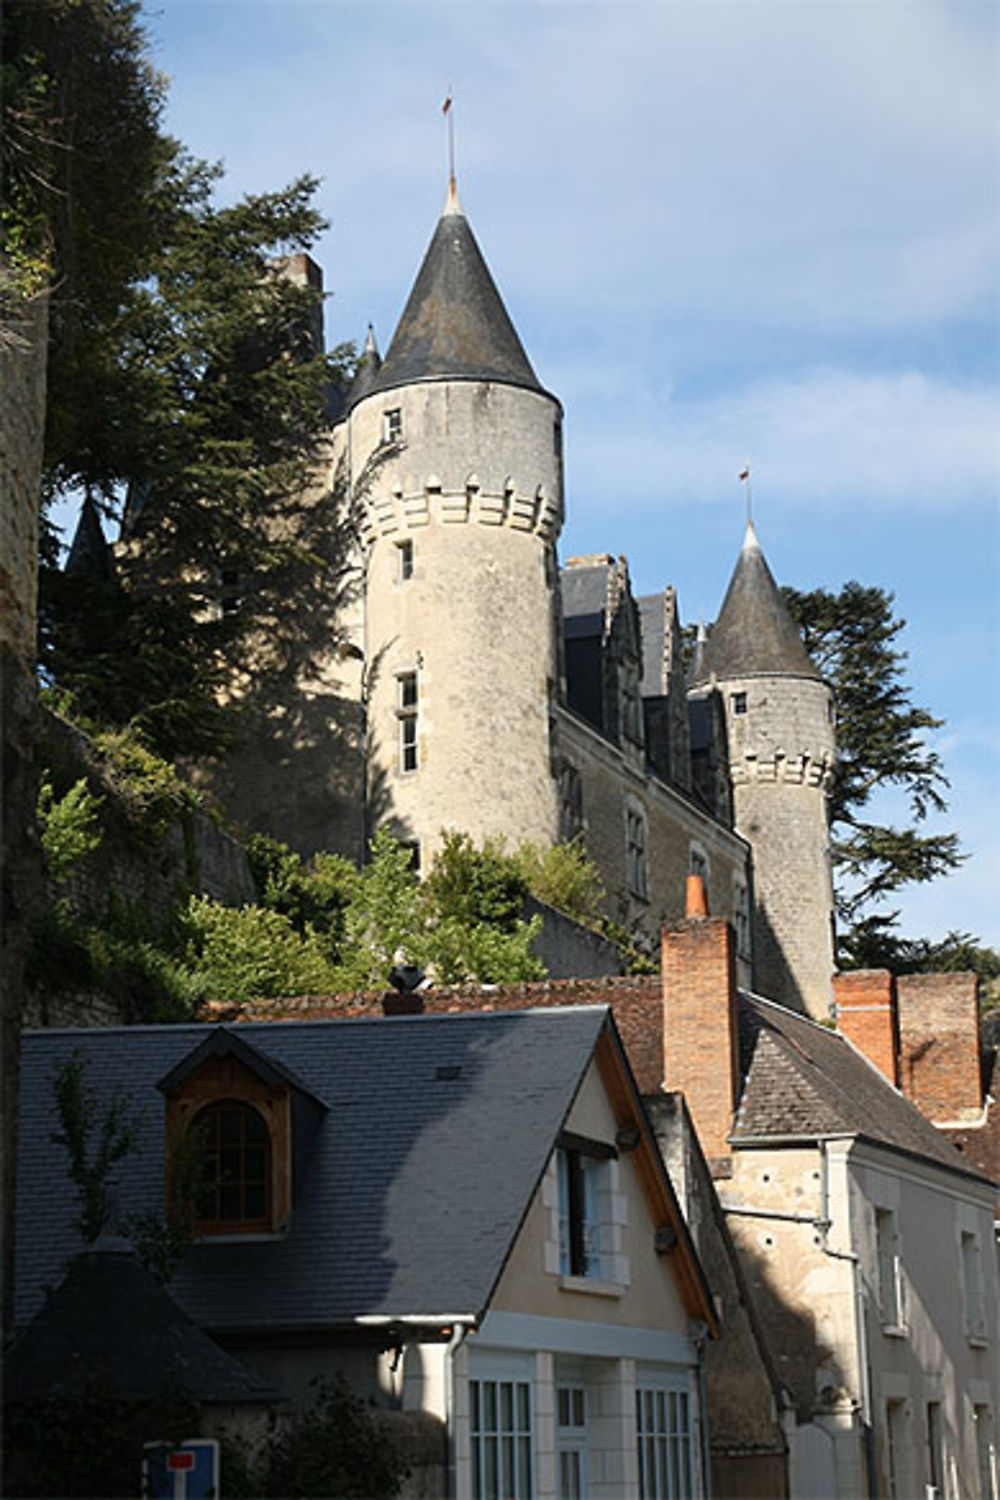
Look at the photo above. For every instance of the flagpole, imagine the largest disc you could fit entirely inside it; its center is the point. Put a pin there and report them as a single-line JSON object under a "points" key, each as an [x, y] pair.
{"points": [[446, 110]]}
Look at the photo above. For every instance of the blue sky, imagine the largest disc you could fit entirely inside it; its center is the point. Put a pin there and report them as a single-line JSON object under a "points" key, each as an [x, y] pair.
{"points": [[727, 231]]}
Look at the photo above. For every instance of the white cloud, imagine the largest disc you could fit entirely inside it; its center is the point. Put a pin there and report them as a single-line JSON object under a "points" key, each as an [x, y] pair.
{"points": [[826, 437]]}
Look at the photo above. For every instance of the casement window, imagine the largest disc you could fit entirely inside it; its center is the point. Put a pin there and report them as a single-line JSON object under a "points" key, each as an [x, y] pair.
{"points": [[392, 425], [629, 710], [889, 1270], [738, 702], [580, 1185], [636, 841], [935, 1453], [982, 1418], [664, 1435], [571, 1442], [500, 1433], [972, 1287], [404, 560], [407, 703], [232, 1145], [230, 591], [570, 802], [897, 1442]]}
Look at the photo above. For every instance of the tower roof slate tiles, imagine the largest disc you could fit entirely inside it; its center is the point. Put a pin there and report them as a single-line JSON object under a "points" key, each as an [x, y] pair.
{"points": [[454, 325], [754, 636]]}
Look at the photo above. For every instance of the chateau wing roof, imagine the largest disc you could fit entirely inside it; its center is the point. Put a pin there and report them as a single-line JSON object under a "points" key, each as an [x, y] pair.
{"points": [[454, 325], [652, 623], [754, 634], [804, 1081], [584, 592], [398, 1212]]}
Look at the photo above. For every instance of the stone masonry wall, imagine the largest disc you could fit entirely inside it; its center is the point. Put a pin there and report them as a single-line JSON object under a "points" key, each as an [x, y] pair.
{"points": [[781, 755]]}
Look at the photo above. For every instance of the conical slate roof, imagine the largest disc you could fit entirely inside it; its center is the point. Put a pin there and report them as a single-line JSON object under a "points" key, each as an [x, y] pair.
{"points": [[89, 553], [454, 326], [368, 367], [754, 636], [111, 1322]]}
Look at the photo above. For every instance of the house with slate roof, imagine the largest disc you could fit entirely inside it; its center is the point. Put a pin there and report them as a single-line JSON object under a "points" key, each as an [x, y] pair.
{"points": [[466, 1215], [849, 1242]]}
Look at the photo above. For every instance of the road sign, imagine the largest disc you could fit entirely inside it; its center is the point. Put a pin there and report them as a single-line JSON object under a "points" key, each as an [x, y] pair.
{"points": [[181, 1471]]}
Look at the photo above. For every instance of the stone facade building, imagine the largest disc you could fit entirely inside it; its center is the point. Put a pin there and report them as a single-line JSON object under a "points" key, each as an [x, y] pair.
{"points": [[470, 682]]}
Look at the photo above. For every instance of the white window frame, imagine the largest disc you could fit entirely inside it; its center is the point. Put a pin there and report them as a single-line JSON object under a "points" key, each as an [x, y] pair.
{"points": [[986, 1461], [636, 849], [407, 720], [889, 1271], [898, 1448], [665, 1422], [973, 1298], [934, 1455], [501, 1441], [392, 424], [571, 1440], [581, 1189]]}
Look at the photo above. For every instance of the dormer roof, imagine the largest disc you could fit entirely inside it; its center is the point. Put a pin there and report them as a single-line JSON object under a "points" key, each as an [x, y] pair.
{"points": [[754, 636], [454, 325]]}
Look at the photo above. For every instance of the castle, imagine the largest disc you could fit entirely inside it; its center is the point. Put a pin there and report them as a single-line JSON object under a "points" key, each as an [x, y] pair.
{"points": [[468, 682]]}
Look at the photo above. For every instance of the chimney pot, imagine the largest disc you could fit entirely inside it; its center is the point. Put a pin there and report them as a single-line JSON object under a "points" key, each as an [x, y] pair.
{"points": [[696, 902]]}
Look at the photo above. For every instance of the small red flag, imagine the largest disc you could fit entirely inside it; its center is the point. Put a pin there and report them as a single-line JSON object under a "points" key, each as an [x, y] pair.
{"points": [[744, 473], [446, 105]]}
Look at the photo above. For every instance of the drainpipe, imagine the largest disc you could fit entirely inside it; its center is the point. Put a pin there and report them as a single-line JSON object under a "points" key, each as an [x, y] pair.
{"points": [[700, 1339], [860, 1320], [458, 1334]]}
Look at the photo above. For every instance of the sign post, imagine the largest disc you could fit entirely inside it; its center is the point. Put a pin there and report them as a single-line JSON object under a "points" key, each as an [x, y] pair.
{"points": [[182, 1471]]}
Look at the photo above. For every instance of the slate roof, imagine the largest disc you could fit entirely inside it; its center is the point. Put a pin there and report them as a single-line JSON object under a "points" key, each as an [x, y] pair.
{"points": [[754, 634], [111, 1321], [398, 1213], [803, 1081], [584, 591], [454, 325], [652, 625]]}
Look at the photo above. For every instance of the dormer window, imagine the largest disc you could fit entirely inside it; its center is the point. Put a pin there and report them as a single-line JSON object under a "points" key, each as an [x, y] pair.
{"points": [[392, 425], [233, 1190], [228, 1128]]}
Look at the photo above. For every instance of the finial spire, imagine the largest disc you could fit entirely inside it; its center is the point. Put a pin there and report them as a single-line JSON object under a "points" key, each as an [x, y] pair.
{"points": [[449, 117]]}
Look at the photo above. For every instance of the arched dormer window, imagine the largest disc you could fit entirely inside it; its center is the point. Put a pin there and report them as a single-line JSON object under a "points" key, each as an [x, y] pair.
{"points": [[232, 1145]]}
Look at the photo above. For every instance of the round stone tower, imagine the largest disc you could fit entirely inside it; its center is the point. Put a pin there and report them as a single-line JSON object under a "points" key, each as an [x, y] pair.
{"points": [[456, 452], [780, 748]]}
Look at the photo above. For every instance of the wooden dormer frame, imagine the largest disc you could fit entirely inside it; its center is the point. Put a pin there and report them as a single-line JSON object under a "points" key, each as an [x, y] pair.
{"points": [[217, 1078]]}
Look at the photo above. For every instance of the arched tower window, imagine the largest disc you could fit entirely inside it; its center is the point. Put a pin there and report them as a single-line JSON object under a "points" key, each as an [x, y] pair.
{"points": [[233, 1145]]}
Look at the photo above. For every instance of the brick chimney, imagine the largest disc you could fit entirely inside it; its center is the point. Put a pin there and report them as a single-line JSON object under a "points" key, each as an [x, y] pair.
{"points": [[865, 1007], [940, 1060], [700, 1036]]}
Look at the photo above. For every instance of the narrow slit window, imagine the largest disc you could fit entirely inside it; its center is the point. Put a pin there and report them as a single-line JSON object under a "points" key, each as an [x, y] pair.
{"points": [[404, 560], [407, 704]]}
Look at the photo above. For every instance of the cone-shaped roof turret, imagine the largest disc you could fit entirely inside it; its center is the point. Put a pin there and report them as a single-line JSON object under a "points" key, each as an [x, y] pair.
{"points": [[89, 553], [754, 636], [368, 367], [454, 326]]}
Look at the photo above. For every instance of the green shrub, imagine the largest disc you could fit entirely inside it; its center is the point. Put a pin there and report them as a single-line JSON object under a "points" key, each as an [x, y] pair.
{"points": [[67, 825]]}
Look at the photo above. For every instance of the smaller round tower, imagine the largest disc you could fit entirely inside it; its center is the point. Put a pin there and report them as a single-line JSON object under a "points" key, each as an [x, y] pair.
{"points": [[781, 749], [456, 448]]}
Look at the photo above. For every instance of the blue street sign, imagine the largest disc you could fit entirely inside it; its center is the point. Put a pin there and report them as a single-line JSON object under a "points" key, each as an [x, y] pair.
{"points": [[181, 1471]]}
